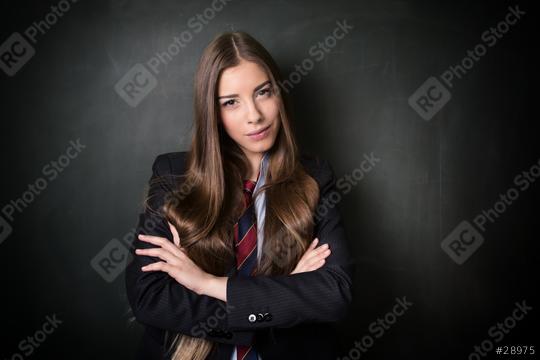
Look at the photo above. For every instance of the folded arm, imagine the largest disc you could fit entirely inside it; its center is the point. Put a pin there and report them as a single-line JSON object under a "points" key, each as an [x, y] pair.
{"points": [[156, 298], [252, 303], [323, 295]]}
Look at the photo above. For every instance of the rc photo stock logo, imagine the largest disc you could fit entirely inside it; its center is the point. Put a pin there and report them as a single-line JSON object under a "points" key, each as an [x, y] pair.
{"points": [[17, 49], [435, 93], [377, 329], [49, 173], [497, 332], [112, 259], [140, 80], [5, 229], [30, 345], [466, 238]]}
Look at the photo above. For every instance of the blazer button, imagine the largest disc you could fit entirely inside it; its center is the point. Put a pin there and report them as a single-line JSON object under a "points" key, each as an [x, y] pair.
{"points": [[260, 317], [252, 318], [267, 316]]}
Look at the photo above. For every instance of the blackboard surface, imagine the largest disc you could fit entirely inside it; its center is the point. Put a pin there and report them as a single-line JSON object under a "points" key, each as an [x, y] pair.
{"points": [[424, 111]]}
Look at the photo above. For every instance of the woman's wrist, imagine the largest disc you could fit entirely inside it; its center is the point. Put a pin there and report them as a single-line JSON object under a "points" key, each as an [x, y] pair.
{"points": [[216, 287]]}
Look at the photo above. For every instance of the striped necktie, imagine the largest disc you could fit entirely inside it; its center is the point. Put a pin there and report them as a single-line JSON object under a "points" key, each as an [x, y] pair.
{"points": [[245, 233]]}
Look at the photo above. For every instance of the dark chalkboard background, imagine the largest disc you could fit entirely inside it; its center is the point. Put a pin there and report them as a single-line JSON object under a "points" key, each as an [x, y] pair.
{"points": [[431, 174]]}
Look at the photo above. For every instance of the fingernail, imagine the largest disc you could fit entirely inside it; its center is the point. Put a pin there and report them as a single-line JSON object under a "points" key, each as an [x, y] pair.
{"points": [[314, 241]]}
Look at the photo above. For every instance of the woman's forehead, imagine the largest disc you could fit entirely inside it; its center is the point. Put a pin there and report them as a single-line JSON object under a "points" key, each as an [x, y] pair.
{"points": [[244, 77]]}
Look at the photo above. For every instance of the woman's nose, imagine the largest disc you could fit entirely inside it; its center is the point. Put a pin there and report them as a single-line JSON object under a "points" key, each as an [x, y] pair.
{"points": [[253, 113]]}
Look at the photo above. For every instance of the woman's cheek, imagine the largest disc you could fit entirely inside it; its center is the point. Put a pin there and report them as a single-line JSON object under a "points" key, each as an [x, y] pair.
{"points": [[231, 125], [274, 101]]}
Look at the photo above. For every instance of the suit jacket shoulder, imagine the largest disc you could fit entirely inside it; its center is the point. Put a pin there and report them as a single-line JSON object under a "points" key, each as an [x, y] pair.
{"points": [[319, 169], [170, 163]]}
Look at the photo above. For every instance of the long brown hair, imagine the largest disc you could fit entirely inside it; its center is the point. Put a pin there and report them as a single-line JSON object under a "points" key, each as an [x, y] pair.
{"points": [[204, 213]]}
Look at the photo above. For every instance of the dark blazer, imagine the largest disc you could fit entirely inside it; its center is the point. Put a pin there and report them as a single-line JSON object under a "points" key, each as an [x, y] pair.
{"points": [[288, 316]]}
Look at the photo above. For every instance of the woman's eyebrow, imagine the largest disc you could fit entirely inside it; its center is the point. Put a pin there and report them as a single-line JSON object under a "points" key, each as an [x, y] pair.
{"points": [[254, 90]]}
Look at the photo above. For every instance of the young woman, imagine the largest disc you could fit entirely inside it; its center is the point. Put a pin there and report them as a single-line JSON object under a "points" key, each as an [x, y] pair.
{"points": [[226, 256]]}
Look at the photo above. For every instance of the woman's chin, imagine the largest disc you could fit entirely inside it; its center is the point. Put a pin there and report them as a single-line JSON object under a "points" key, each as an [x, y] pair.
{"points": [[261, 146]]}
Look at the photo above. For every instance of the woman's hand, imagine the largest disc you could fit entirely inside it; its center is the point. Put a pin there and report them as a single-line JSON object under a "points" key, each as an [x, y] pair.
{"points": [[175, 261], [313, 258]]}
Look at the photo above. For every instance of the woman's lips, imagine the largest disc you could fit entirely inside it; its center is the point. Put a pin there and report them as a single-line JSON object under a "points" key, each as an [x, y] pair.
{"points": [[261, 134], [258, 131]]}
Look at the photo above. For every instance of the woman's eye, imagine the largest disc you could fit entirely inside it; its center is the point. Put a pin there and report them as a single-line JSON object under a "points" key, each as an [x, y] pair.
{"points": [[266, 91], [228, 103]]}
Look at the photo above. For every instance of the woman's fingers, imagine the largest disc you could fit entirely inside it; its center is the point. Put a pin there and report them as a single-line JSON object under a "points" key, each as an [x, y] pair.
{"points": [[313, 258], [158, 253], [176, 237], [316, 265], [157, 266], [321, 251], [162, 242], [317, 257], [312, 265]]}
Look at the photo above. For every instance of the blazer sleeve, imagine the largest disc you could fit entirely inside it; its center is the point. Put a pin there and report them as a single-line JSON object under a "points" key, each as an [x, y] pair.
{"points": [[155, 297], [323, 295]]}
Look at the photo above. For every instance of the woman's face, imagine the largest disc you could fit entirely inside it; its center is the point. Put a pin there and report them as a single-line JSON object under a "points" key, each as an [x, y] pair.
{"points": [[248, 104]]}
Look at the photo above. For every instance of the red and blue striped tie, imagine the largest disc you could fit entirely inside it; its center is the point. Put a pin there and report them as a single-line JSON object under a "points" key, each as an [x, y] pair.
{"points": [[245, 233]]}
